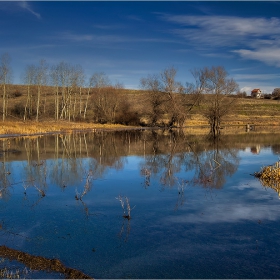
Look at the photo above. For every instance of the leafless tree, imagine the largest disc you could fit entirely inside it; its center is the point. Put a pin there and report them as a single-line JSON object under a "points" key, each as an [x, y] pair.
{"points": [[99, 80], [175, 102], [167, 96], [105, 98], [106, 102], [155, 98], [197, 88], [61, 79], [29, 80], [41, 80], [215, 82], [80, 84], [77, 82], [54, 75], [5, 79], [69, 81]]}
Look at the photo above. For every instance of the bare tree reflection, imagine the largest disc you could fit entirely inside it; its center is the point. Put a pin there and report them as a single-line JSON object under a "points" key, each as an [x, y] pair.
{"points": [[215, 164], [182, 184], [87, 186], [179, 160], [125, 230], [5, 170]]}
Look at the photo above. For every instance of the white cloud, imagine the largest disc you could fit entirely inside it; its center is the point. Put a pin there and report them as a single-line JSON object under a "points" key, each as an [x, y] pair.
{"points": [[228, 25], [18, 6], [270, 56], [109, 39], [256, 77], [26, 6], [254, 38]]}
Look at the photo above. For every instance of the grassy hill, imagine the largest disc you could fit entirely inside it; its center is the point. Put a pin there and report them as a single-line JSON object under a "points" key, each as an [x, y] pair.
{"points": [[246, 110]]}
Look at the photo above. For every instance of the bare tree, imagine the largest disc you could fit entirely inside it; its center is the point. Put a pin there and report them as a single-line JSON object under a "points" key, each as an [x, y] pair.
{"points": [[106, 102], [68, 81], [80, 83], [77, 78], [5, 79], [99, 80], [61, 79], [214, 82], [41, 80], [86, 101], [175, 102], [167, 96], [54, 75], [29, 80], [105, 97], [197, 89], [155, 99]]}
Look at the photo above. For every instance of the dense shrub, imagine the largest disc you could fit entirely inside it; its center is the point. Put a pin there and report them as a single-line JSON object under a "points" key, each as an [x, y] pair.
{"points": [[241, 94], [276, 93], [16, 93], [18, 110], [267, 96], [128, 118]]}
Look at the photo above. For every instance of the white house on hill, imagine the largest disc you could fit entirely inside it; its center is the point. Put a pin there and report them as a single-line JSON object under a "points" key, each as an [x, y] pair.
{"points": [[256, 93]]}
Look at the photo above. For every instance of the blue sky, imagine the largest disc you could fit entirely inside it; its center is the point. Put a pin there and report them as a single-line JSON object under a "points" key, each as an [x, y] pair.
{"points": [[129, 40]]}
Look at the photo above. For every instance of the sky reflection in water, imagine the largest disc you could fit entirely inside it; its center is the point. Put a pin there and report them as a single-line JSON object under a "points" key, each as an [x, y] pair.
{"points": [[198, 211]]}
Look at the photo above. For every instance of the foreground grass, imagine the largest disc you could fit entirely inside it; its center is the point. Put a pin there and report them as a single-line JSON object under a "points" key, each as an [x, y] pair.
{"points": [[29, 128]]}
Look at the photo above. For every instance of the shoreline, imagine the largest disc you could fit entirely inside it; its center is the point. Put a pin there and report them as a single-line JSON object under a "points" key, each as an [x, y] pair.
{"points": [[9, 129]]}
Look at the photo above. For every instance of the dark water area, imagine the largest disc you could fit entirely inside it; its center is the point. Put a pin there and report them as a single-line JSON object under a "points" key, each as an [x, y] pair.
{"points": [[142, 204]]}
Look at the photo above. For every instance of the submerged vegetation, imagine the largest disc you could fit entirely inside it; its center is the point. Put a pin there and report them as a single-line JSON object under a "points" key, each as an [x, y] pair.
{"points": [[126, 210]]}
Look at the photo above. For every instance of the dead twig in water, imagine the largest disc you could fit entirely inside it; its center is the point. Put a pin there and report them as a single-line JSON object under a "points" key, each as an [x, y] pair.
{"points": [[126, 212]]}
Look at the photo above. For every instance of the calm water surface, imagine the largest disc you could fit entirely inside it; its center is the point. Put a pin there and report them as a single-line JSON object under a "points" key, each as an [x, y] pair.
{"points": [[196, 210]]}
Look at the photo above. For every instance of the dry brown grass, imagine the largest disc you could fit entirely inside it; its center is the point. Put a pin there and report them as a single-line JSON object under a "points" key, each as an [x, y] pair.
{"points": [[270, 176], [29, 128]]}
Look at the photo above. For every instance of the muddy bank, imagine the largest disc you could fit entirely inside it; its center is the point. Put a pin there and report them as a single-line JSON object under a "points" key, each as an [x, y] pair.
{"points": [[41, 263]]}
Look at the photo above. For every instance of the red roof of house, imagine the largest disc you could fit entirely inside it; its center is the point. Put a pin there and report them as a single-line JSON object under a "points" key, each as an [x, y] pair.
{"points": [[256, 90]]}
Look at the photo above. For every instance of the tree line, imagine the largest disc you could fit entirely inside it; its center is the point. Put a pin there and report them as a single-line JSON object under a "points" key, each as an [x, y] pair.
{"points": [[71, 96]]}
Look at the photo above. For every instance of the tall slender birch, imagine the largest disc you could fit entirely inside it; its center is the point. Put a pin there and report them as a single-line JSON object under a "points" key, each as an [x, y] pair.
{"points": [[29, 80], [5, 79], [41, 80]]}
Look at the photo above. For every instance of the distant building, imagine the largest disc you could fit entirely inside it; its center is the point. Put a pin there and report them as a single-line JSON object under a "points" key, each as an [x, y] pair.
{"points": [[256, 93]]}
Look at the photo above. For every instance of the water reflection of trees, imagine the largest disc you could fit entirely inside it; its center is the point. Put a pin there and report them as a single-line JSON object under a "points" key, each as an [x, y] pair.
{"points": [[215, 164], [65, 160], [206, 163]]}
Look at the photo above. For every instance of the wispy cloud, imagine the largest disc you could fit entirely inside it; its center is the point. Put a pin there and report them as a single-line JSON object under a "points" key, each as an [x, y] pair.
{"points": [[256, 77], [227, 25], [135, 18], [26, 6], [269, 56], [108, 26], [110, 38], [97, 39], [254, 38]]}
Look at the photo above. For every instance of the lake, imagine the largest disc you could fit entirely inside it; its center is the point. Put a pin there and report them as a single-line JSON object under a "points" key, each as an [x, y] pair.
{"points": [[142, 204]]}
